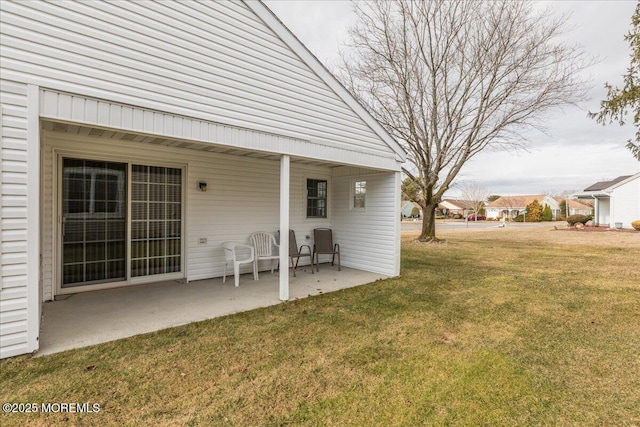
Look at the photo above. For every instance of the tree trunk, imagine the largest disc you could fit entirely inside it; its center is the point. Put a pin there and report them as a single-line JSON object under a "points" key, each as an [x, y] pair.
{"points": [[429, 223]]}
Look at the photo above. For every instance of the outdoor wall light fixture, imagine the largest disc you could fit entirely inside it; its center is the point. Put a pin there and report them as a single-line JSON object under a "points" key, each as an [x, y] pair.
{"points": [[202, 186]]}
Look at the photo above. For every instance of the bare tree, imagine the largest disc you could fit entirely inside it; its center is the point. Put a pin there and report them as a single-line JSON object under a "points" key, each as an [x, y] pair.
{"points": [[474, 194], [450, 78]]}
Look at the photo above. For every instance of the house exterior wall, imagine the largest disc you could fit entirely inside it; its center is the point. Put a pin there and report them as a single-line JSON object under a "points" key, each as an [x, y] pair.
{"points": [[209, 72], [19, 308], [492, 213], [407, 210], [548, 200], [603, 211], [369, 238], [495, 213], [625, 203], [554, 205]]}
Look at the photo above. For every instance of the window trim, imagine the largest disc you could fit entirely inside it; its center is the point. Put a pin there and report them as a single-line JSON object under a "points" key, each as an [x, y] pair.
{"points": [[353, 193], [306, 197]]}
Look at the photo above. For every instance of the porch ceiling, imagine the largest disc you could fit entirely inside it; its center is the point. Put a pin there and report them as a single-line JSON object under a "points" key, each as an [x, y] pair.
{"points": [[168, 142]]}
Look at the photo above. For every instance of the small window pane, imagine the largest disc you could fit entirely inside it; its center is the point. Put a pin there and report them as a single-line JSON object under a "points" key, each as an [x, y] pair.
{"points": [[360, 194]]}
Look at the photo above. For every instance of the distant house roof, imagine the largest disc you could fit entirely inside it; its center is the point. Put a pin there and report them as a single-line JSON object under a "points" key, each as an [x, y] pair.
{"points": [[457, 204], [515, 202]]}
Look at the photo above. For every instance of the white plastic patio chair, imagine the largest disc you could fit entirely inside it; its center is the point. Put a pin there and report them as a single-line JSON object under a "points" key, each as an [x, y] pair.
{"points": [[264, 244], [231, 256]]}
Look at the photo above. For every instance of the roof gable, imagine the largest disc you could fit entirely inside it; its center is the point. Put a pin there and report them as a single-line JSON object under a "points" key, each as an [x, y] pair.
{"points": [[603, 185], [603, 189], [287, 36], [230, 66], [621, 182]]}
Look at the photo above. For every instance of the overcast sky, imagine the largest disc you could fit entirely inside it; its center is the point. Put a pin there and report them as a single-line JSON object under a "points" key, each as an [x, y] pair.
{"points": [[575, 153]]}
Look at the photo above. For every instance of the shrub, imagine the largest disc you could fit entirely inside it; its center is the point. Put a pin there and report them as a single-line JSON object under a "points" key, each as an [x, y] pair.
{"points": [[534, 212], [457, 216], [574, 219], [636, 224], [415, 212], [519, 218], [547, 215]]}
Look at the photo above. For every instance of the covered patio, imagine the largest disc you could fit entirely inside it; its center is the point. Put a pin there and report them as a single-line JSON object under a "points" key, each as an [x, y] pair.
{"points": [[89, 318]]}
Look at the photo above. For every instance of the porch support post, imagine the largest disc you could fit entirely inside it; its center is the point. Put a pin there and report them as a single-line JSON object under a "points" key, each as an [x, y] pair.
{"points": [[285, 166]]}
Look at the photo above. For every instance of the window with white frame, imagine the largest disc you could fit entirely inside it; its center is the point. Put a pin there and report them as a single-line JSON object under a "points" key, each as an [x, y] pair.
{"points": [[359, 194]]}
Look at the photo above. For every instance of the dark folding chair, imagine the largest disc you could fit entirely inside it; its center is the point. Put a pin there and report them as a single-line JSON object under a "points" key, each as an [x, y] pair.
{"points": [[323, 245], [297, 252]]}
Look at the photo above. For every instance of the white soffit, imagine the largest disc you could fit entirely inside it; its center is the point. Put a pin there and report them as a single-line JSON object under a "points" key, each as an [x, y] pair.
{"points": [[79, 111]]}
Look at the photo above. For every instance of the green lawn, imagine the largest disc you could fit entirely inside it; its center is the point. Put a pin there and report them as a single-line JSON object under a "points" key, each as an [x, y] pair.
{"points": [[501, 327]]}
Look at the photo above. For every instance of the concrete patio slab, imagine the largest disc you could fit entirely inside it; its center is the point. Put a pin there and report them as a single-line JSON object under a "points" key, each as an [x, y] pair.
{"points": [[90, 318]]}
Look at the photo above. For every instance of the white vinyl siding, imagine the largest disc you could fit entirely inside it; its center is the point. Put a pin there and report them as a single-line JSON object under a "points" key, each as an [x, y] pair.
{"points": [[212, 61], [369, 238], [13, 219], [625, 203], [604, 211]]}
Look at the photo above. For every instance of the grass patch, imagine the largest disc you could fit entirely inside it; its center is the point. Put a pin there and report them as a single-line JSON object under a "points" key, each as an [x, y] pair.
{"points": [[495, 327]]}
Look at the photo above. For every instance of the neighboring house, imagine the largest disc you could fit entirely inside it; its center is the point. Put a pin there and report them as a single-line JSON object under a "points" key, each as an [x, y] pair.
{"points": [[509, 207], [576, 207], [450, 207], [407, 209], [617, 202], [137, 136]]}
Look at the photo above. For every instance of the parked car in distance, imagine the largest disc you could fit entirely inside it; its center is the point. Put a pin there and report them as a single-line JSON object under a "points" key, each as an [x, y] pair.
{"points": [[472, 217]]}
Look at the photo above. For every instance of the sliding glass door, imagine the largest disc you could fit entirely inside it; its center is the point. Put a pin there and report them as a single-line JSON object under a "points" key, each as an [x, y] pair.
{"points": [[93, 222], [96, 245], [156, 220]]}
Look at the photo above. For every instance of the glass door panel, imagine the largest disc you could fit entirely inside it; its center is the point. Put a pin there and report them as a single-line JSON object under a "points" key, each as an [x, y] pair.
{"points": [[94, 222], [156, 220]]}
